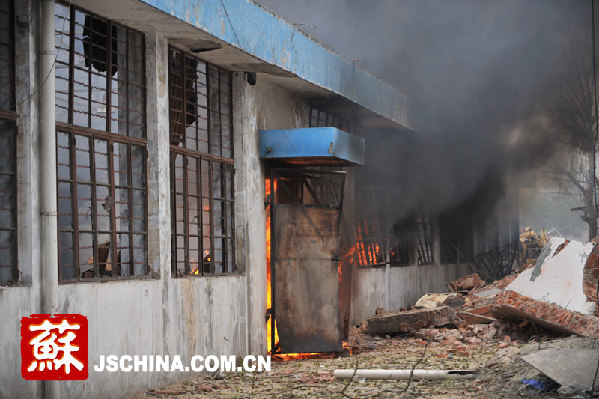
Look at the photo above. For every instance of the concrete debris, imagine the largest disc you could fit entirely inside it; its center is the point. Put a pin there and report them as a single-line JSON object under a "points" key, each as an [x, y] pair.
{"points": [[557, 294], [467, 283], [559, 277], [473, 318], [568, 367], [511, 305], [411, 320], [430, 301]]}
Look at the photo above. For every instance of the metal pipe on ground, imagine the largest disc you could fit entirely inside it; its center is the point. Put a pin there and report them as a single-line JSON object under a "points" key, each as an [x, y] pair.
{"points": [[418, 374]]}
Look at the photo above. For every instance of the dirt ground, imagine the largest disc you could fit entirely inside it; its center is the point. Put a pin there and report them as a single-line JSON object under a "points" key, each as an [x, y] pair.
{"points": [[499, 371]]}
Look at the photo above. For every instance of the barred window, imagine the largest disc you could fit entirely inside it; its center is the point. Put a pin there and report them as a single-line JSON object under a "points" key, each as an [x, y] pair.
{"points": [[101, 147], [100, 81], [202, 166], [320, 118], [424, 244], [8, 180]]}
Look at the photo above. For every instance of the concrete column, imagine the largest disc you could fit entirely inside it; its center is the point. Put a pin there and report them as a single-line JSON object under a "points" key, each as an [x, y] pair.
{"points": [[159, 205], [47, 163], [250, 215]]}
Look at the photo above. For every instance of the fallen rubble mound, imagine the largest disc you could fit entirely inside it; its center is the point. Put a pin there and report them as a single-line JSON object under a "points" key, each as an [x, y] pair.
{"points": [[558, 293]]}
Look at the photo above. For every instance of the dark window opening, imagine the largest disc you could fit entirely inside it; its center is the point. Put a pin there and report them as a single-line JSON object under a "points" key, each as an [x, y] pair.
{"points": [[202, 166], [369, 232], [456, 237], [101, 148], [402, 242], [321, 118], [424, 242], [9, 273]]}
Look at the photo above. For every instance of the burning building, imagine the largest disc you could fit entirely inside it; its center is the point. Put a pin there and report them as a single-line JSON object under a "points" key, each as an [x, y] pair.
{"points": [[177, 170]]}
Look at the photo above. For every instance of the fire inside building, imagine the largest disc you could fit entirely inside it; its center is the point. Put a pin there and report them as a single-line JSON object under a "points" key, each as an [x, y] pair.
{"points": [[193, 177]]}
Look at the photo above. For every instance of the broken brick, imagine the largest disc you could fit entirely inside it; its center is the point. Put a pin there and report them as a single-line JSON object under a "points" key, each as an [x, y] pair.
{"points": [[467, 283], [510, 304]]}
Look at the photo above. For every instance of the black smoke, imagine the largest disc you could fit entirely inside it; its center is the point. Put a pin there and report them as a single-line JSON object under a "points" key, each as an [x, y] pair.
{"points": [[475, 70]]}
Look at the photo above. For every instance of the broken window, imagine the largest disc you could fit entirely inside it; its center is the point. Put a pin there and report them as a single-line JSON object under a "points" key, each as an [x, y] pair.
{"points": [[8, 163], [424, 242], [100, 78], [402, 242], [369, 233], [202, 166], [320, 118], [456, 237], [101, 147]]}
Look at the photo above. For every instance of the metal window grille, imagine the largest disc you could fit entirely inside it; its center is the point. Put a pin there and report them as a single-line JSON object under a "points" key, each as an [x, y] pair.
{"points": [[202, 166], [371, 246], [100, 73], [8, 204], [320, 118], [9, 273], [424, 244], [101, 148]]}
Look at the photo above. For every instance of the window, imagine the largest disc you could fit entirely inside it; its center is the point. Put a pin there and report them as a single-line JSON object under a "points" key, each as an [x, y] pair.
{"points": [[8, 180], [402, 242], [101, 147], [370, 245], [424, 244], [320, 118], [456, 236], [202, 166]]}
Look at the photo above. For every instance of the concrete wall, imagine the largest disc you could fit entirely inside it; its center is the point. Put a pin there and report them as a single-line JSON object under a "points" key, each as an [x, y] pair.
{"points": [[400, 286], [159, 315], [17, 302]]}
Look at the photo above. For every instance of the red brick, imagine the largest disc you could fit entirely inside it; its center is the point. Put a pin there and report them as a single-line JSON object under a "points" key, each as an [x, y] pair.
{"points": [[510, 304]]}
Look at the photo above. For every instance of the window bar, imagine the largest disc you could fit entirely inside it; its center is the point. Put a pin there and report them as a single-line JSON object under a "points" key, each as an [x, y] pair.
{"points": [[200, 217], [130, 211], [185, 211], [94, 205], [220, 115], [231, 135], [91, 39], [184, 126], [208, 120], [71, 65], [173, 156], [211, 213], [127, 121], [75, 205], [224, 218], [146, 210], [14, 241], [111, 213], [108, 101], [143, 110], [223, 186]]}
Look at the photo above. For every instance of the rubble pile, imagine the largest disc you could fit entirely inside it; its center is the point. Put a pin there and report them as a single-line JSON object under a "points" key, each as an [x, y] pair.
{"points": [[557, 295]]}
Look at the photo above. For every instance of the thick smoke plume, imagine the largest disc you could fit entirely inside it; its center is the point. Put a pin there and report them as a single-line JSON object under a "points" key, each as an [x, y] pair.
{"points": [[477, 71]]}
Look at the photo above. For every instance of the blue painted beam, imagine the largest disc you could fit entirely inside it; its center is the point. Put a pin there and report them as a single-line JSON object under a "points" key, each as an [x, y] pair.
{"points": [[256, 31], [312, 146]]}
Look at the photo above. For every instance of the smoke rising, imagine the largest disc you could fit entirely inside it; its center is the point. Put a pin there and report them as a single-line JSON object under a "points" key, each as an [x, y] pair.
{"points": [[476, 72]]}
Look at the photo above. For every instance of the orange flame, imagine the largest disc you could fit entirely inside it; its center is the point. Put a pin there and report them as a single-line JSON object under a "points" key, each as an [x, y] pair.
{"points": [[282, 356]]}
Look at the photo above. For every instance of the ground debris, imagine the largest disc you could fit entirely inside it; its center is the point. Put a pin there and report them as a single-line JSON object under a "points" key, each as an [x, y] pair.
{"points": [[466, 283]]}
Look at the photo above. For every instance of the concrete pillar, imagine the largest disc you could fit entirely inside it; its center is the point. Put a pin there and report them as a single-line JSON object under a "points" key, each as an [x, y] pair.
{"points": [[250, 215], [159, 205]]}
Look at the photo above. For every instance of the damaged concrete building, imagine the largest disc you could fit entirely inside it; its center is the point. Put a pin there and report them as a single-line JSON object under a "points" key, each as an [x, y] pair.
{"points": [[157, 154]]}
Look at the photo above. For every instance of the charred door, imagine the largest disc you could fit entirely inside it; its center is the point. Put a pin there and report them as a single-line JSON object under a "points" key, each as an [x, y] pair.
{"points": [[306, 214]]}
